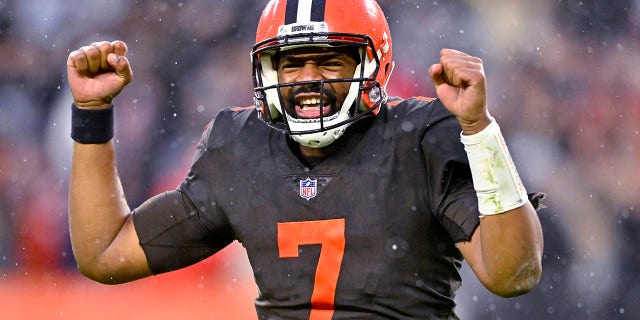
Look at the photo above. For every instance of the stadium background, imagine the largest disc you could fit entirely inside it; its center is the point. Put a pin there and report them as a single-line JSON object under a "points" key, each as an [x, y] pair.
{"points": [[564, 82]]}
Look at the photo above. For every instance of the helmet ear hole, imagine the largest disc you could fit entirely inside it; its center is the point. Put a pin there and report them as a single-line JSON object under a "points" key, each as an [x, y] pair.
{"points": [[374, 95]]}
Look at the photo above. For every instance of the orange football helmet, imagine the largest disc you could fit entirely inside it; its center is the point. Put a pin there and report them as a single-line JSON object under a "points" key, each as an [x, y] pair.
{"points": [[286, 24]]}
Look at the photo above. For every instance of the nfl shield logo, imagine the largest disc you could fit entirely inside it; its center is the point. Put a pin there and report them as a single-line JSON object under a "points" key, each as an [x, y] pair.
{"points": [[308, 188]]}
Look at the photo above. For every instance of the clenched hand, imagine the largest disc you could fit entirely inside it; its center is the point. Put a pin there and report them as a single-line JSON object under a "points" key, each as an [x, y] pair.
{"points": [[97, 73], [460, 84]]}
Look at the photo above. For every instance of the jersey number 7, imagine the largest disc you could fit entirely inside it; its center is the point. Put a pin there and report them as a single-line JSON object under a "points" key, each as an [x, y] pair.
{"points": [[330, 235]]}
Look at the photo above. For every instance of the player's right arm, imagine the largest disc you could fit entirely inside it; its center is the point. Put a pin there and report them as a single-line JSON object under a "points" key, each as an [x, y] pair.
{"points": [[104, 240]]}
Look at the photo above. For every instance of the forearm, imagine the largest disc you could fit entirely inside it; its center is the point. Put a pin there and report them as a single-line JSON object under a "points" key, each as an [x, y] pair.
{"points": [[97, 207], [511, 251], [505, 251]]}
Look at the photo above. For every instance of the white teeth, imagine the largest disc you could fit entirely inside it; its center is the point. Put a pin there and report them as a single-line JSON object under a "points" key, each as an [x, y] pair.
{"points": [[309, 101]]}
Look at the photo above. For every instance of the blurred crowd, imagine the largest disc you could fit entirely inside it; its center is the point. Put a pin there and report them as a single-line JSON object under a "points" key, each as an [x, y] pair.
{"points": [[564, 83]]}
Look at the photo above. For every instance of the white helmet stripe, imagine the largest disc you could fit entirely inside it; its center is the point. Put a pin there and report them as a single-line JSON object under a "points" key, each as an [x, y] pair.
{"points": [[304, 11]]}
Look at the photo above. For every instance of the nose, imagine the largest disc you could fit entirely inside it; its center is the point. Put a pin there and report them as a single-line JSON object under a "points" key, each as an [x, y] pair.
{"points": [[309, 71]]}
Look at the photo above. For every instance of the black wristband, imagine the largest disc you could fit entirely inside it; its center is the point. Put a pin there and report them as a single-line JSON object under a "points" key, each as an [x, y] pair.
{"points": [[91, 126]]}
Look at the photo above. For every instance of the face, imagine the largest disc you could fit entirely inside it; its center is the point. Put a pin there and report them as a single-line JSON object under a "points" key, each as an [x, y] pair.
{"points": [[308, 101]]}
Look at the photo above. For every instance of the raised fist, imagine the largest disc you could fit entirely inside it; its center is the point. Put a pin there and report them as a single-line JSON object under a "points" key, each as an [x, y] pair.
{"points": [[97, 73]]}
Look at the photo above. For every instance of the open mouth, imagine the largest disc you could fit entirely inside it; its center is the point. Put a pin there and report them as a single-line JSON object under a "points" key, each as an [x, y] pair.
{"points": [[309, 107]]}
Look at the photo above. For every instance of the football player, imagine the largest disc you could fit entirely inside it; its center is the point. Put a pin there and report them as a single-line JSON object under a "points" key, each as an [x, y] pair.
{"points": [[351, 204]]}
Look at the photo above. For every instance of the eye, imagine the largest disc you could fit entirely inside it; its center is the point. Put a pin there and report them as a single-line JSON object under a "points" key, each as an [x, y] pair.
{"points": [[333, 63], [289, 65]]}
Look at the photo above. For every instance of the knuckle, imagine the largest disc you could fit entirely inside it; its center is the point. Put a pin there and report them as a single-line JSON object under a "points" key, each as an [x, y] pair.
{"points": [[103, 45], [90, 51], [97, 43], [75, 54]]}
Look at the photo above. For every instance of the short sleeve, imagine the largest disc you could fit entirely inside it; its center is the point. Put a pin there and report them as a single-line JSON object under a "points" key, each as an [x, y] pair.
{"points": [[176, 228], [451, 190]]}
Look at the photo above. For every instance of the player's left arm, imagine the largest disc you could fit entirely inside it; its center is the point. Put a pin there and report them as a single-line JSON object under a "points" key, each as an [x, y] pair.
{"points": [[505, 251]]}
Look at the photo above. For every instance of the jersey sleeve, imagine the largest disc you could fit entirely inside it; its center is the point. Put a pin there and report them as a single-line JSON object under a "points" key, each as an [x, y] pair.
{"points": [[174, 232], [451, 189]]}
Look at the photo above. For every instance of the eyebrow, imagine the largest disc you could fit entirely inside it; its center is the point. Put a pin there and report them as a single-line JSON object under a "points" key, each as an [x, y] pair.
{"points": [[306, 56]]}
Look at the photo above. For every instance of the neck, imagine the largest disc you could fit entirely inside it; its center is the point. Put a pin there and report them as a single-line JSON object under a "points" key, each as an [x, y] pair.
{"points": [[314, 156], [309, 152]]}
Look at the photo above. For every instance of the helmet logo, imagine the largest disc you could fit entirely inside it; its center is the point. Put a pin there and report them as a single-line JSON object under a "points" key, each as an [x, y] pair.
{"points": [[384, 48], [308, 188], [385, 45]]}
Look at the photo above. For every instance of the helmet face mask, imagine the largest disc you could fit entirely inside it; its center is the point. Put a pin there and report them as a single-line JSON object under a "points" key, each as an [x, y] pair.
{"points": [[364, 91]]}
